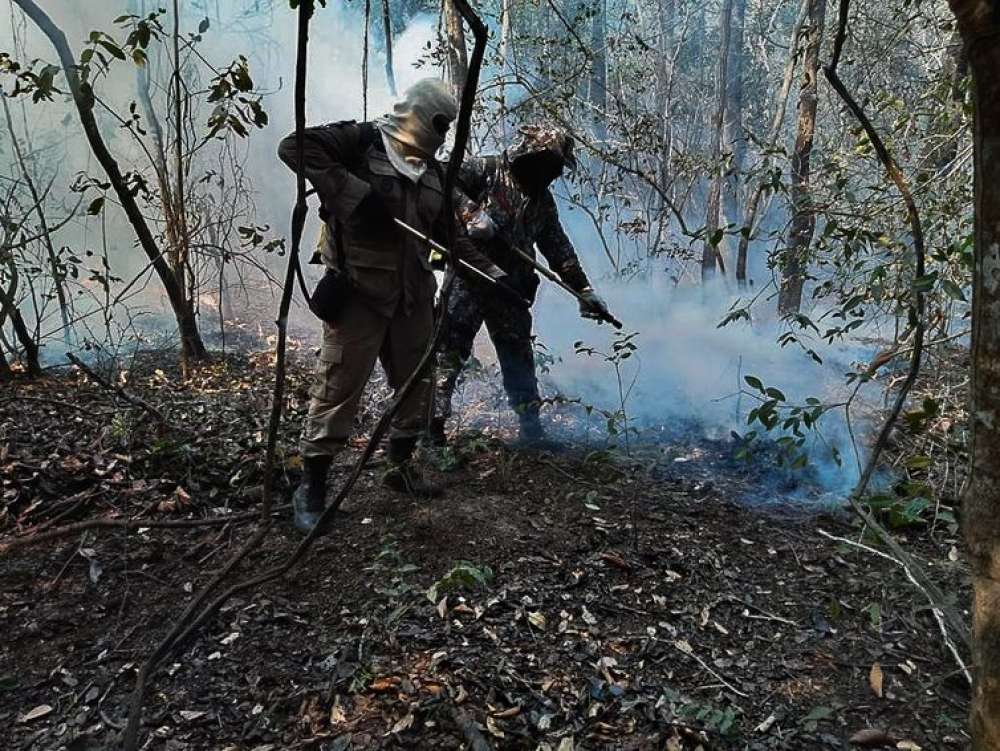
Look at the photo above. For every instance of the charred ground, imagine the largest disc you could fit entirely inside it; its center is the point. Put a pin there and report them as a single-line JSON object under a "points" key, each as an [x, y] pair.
{"points": [[578, 603]]}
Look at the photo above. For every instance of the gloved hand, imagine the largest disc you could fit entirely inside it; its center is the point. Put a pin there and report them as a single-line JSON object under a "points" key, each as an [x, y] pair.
{"points": [[592, 306], [374, 214]]}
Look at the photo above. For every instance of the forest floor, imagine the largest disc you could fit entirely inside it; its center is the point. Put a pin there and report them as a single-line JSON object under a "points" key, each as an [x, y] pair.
{"points": [[559, 599]]}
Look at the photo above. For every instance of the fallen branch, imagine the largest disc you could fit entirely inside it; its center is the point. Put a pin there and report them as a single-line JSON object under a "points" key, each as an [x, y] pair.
{"points": [[135, 401], [938, 614], [16, 543], [916, 316]]}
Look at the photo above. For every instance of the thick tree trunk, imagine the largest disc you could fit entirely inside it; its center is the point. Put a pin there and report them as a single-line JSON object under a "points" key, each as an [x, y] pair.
{"points": [[781, 104], [735, 139], [979, 22], [390, 75], [795, 257], [599, 70], [711, 253], [457, 61], [83, 97]]}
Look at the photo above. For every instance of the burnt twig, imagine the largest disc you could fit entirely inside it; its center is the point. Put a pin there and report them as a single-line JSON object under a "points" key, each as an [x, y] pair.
{"points": [[135, 401]]}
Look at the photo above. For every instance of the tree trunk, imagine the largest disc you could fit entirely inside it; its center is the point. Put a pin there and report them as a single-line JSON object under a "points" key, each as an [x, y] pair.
{"points": [[390, 75], [979, 22], [664, 87], [750, 217], [735, 139], [457, 61], [8, 304], [711, 252], [599, 71], [58, 279], [83, 97], [795, 257]]}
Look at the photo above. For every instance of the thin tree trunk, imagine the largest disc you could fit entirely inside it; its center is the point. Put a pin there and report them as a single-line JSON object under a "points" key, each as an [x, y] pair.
{"points": [[711, 253], [84, 99], [734, 137], [664, 85], [8, 301], [599, 71], [390, 75], [979, 23], [795, 257], [190, 350], [457, 62], [51, 256], [750, 217]]}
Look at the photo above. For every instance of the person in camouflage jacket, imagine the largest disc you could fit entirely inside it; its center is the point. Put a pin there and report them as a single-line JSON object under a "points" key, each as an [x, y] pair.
{"points": [[507, 205]]}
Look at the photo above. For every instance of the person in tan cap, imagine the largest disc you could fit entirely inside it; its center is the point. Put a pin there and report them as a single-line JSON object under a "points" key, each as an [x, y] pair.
{"points": [[377, 297]]}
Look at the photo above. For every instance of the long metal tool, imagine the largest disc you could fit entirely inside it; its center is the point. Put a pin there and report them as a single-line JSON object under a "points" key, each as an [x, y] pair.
{"points": [[543, 270], [434, 245], [554, 278]]}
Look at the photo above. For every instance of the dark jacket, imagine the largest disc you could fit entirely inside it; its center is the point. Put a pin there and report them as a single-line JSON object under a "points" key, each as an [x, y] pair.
{"points": [[388, 267], [521, 221]]}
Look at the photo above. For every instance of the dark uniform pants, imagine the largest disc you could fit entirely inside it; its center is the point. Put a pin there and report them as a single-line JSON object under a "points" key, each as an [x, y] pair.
{"points": [[347, 357], [509, 328]]}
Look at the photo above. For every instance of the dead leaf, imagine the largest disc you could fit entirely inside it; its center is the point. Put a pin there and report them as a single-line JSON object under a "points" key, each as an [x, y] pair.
{"points": [[384, 684], [189, 715], [871, 738], [616, 560], [403, 724], [505, 714], [493, 728], [337, 714], [875, 679], [442, 607], [537, 620], [33, 714], [766, 724], [566, 744], [908, 746]]}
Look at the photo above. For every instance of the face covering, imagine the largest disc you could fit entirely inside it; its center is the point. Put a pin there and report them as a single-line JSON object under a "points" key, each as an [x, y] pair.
{"points": [[540, 156], [421, 118]]}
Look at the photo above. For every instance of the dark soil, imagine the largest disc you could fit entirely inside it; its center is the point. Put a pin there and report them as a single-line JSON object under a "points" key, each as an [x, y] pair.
{"points": [[593, 606]]}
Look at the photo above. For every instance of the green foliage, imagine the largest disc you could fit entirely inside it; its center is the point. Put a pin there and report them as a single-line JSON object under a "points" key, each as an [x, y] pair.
{"points": [[464, 575]]}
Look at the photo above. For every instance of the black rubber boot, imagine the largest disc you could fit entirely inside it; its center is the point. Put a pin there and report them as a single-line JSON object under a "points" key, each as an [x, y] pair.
{"points": [[435, 433], [309, 500], [402, 476]]}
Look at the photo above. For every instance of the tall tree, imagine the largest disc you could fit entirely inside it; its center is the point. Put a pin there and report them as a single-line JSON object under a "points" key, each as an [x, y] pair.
{"points": [[794, 260], [83, 97], [734, 137], [711, 254], [979, 23], [457, 57], [778, 119], [390, 74], [599, 69], [664, 86]]}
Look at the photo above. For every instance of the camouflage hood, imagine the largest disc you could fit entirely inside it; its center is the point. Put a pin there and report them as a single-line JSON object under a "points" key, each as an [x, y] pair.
{"points": [[540, 155], [537, 139]]}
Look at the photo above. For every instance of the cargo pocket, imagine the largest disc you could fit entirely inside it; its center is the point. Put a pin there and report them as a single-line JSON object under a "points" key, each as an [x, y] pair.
{"points": [[331, 358]]}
